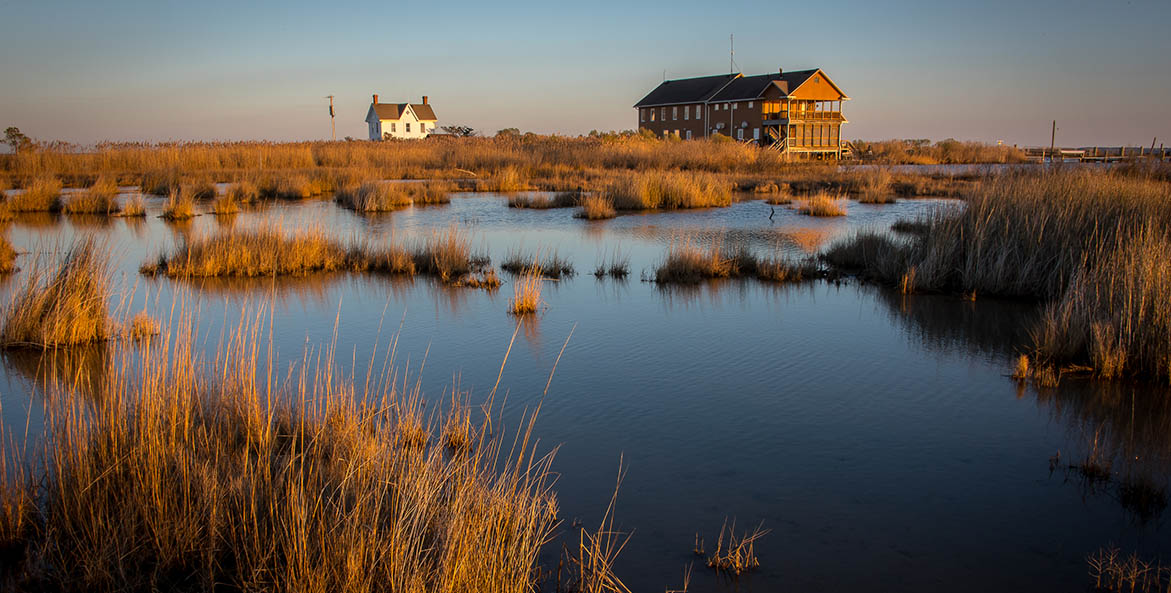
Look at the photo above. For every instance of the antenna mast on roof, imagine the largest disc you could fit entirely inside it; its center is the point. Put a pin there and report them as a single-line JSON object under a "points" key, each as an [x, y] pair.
{"points": [[731, 54]]}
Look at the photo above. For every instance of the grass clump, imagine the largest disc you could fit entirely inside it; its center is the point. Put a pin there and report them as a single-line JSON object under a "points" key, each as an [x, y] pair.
{"points": [[180, 204], [7, 256], [43, 194], [506, 179], [687, 263], [544, 202], [225, 205], [822, 204], [526, 297], [252, 253], [189, 474], [64, 308], [161, 182], [446, 255], [373, 196], [292, 186], [551, 266], [243, 192], [99, 198], [734, 554], [671, 189], [596, 207], [618, 267], [134, 207]]}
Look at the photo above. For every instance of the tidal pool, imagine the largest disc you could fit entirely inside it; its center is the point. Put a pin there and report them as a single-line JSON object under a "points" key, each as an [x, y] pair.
{"points": [[877, 435]]}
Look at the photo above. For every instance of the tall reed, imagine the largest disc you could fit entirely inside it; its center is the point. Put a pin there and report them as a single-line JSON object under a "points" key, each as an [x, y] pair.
{"points": [[194, 474]]}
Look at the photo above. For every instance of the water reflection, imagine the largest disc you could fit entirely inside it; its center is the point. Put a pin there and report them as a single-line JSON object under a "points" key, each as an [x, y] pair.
{"points": [[80, 370], [992, 328]]}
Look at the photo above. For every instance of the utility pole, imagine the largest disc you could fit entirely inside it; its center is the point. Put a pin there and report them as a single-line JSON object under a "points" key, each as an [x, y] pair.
{"points": [[731, 54], [332, 126], [1052, 141]]}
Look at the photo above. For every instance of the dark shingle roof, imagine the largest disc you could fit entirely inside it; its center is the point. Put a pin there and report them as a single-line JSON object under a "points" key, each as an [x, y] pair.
{"points": [[750, 87], [395, 110], [686, 90]]}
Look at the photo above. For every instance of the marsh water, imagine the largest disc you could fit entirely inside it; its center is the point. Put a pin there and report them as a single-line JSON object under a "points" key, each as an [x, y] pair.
{"points": [[877, 435]]}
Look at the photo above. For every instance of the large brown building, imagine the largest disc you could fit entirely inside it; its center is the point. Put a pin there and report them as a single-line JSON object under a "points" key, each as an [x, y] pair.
{"points": [[797, 113]]}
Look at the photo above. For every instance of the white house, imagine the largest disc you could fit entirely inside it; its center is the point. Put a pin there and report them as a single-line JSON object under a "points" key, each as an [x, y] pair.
{"points": [[400, 120]]}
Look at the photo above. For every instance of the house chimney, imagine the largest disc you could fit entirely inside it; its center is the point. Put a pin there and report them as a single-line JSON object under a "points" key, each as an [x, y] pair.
{"points": [[424, 99], [375, 98], [780, 71]]}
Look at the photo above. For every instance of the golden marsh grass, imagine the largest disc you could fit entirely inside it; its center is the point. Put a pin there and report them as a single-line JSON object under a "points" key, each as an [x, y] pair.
{"points": [[65, 307]]}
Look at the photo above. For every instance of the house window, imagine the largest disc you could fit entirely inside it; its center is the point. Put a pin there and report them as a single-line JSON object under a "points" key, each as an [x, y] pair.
{"points": [[674, 113], [739, 133], [666, 133], [750, 104], [663, 113], [392, 127], [735, 105], [652, 115], [717, 107], [697, 111], [689, 134], [408, 127], [756, 134], [422, 128], [686, 113], [642, 115]]}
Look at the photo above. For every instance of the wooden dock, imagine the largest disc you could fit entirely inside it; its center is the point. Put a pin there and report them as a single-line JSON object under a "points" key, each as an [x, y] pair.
{"points": [[1097, 154]]}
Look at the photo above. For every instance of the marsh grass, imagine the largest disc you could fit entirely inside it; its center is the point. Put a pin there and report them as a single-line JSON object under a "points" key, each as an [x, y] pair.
{"points": [[202, 189], [446, 255], [509, 178], [225, 205], [64, 307], [133, 207], [243, 192], [670, 189], [374, 196], [180, 204], [251, 253], [1094, 246], [549, 265], [822, 204], [526, 297], [687, 263], [563, 199], [100, 198], [596, 207], [161, 182], [42, 194], [194, 474], [780, 199], [735, 554], [618, 267], [7, 256]]}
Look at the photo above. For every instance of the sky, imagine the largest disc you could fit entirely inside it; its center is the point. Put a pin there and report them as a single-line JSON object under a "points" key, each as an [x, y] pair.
{"points": [[122, 70]]}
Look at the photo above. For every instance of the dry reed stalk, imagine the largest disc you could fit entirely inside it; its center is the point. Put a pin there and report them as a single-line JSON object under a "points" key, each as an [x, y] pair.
{"points": [[734, 554], [225, 205]]}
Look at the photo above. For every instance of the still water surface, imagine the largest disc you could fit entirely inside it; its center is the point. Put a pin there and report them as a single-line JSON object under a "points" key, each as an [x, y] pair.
{"points": [[875, 434]]}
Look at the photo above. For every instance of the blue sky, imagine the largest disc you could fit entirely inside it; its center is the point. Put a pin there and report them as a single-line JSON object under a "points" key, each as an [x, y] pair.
{"points": [[129, 70]]}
